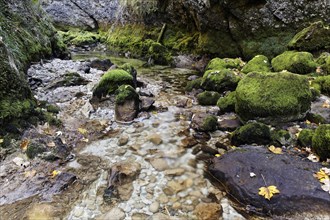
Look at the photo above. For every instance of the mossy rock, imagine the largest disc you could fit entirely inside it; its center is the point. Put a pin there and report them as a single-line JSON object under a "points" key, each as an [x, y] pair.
{"points": [[322, 83], [323, 61], [227, 103], [208, 98], [159, 54], [81, 38], [273, 97], [259, 63], [225, 63], [34, 149], [321, 141], [315, 118], [194, 84], [53, 109], [313, 38], [281, 138], [295, 62], [305, 137], [220, 80], [251, 133], [111, 80], [210, 123], [125, 93]]}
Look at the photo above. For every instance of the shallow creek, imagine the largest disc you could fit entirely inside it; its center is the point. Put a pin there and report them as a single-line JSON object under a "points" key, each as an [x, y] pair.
{"points": [[168, 182]]}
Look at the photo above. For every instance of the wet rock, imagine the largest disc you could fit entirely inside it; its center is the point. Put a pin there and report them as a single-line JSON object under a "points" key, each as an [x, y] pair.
{"points": [[204, 122], [189, 142], [288, 97], [208, 211], [229, 122], [202, 136], [99, 64], [113, 214], [127, 103], [154, 207], [155, 139], [209, 150], [62, 181], [300, 191], [123, 140], [146, 103], [159, 164], [173, 187], [68, 79]]}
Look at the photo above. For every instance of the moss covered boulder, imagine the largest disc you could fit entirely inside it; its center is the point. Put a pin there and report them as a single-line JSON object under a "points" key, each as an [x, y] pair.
{"points": [[159, 54], [321, 141], [227, 103], [111, 80], [273, 97], [208, 98], [313, 38], [251, 133], [295, 62], [127, 103], [81, 38], [194, 84], [204, 122], [225, 63], [305, 137], [322, 84], [259, 63], [220, 80]]}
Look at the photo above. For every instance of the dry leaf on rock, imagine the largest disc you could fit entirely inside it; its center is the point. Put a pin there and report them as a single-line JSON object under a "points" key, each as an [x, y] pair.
{"points": [[326, 185], [24, 144], [275, 150], [322, 175], [82, 131], [268, 191], [55, 173]]}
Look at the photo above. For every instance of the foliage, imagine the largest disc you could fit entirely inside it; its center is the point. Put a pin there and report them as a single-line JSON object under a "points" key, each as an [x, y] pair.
{"points": [[268, 192]]}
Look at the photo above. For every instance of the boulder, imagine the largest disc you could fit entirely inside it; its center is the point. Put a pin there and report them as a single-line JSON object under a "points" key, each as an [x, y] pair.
{"points": [[251, 133], [321, 141], [300, 194], [127, 103], [227, 103], [111, 80], [101, 64], [259, 63], [225, 63], [220, 80], [305, 137], [204, 122], [313, 38], [194, 84], [295, 62], [208, 98], [273, 97]]}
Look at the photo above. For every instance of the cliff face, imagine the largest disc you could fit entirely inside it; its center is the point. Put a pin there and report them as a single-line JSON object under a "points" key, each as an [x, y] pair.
{"points": [[25, 36], [224, 28]]}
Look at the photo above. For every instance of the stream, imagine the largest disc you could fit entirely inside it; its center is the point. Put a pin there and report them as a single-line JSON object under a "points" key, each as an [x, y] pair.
{"points": [[161, 177]]}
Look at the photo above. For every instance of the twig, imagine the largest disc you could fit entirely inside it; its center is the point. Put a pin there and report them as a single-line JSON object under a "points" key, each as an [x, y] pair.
{"points": [[168, 213], [264, 179]]}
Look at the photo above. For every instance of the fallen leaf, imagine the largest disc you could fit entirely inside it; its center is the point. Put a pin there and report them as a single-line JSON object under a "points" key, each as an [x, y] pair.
{"points": [[217, 155], [275, 150], [30, 173], [24, 144], [268, 191], [55, 173], [82, 131], [1, 141], [326, 185], [313, 158], [51, 144], [321, 176]]}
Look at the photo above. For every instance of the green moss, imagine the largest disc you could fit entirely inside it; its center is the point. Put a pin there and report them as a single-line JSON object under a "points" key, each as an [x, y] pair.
{"points": [[227, 103], [34, 150], [259, 63], [322, 83], [281, 137], [305, 138], [220, 80], [313, 38], [159, 54], [321, 141], [110, 81], [225, 63], [128, 68], [296, 62], [124, 93], [193, 84], [53, 109], [273, 97], [251, 133], [81, 38], [210, 123], [208, 98], [315, 118]]}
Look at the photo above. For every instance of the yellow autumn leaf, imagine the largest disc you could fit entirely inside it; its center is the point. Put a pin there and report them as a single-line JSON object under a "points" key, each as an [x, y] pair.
{"points": [[268, 192], [55, 173], [82, 131], [217, 155], [275, 150], [308, 122], [24, 144], [1, 141], [321, 176]]}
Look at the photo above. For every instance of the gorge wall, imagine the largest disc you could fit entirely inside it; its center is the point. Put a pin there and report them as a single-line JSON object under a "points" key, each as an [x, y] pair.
{"points": [[217, 27]]}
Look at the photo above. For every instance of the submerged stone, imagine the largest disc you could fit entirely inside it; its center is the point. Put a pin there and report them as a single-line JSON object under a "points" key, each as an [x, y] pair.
{"points": [[295, 62], [273, 97], [300, 193], [259, 63]]}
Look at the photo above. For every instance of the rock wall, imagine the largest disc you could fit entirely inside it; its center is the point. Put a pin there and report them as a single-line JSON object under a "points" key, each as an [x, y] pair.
{"points": [[25, 36], [225, 28]]}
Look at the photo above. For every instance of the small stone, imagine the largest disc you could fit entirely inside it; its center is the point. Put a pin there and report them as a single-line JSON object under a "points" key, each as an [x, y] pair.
{"points": [[188, 183], [159, 164], [173, 187], [113, 214], [123, 140], [175, 172], [78, 212], [208, 211], [160, 216], [163, 199], [139, 216], [154, 207], [155, 139], [176, 205], [196, 193]]}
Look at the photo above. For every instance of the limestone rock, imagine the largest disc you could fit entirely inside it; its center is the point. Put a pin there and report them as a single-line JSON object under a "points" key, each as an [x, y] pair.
{"points": [[208, 211]]}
